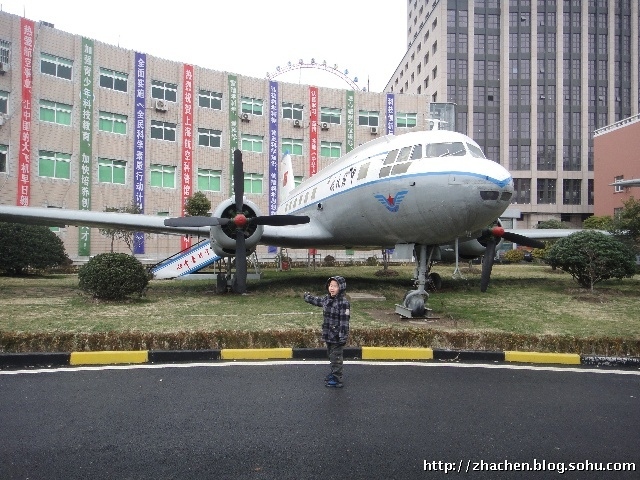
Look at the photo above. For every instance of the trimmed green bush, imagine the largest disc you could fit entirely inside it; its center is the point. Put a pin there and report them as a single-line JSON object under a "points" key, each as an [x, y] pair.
{"points": [[113, 276], [514, 256]]}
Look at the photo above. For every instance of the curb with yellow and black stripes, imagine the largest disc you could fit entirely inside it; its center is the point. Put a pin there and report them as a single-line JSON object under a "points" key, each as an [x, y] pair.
{"points": [[58, 359]]}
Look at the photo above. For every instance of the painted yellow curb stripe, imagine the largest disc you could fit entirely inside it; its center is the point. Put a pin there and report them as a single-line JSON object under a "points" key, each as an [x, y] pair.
{"points": [[255, 353], [397, 353], [537, 357], [106, 358]]}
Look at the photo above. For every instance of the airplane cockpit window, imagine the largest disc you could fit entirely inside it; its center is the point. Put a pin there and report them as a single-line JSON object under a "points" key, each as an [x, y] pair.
{"points": [[404, 154], [446, 149], [475, 151], [391, 157], [417, 152]]}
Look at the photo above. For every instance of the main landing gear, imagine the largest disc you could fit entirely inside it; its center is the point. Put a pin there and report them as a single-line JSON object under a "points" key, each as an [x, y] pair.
{"points": [[413, 304]]}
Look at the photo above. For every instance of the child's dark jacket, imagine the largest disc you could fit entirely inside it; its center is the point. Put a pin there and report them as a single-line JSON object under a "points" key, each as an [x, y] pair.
{"points": [[335, 312]]}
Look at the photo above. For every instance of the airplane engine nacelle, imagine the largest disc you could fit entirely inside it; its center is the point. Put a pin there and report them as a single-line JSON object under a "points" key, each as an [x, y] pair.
{"points": [[466, 250], [223, 237]]}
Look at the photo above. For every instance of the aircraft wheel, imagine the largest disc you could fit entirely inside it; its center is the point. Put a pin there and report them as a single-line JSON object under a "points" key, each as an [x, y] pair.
{"points": [[434, 282]]}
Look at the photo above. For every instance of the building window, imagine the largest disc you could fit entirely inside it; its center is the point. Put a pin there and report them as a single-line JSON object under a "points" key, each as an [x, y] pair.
{"points": [[546, 191], [209, 180], [252, 143], [618, 188], [56, 66], [253, 183], [292, 146], [521, 190], [5, 51], [111, 171], [163, 131], [164, 91], [113, 123], [163, 176], [209, 138], [571, 191], [292, 111], [4, 101], [406, 120], [54, 112], [331, 149], [368, 118], [113, 80], [251, 105], [207, 99], [330, 115], [546, 157], [4, 149], [54, 164]]}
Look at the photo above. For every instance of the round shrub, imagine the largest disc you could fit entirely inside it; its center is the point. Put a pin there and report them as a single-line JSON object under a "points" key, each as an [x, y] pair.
{"points": [[113, 276], [514, 256], [329, 261]]}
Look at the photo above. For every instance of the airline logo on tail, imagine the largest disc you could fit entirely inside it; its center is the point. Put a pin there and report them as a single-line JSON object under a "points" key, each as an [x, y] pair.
{"points": [[284, 178]]}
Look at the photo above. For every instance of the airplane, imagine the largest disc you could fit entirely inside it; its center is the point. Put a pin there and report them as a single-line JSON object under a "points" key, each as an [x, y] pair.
{"points": [[422, 191]]}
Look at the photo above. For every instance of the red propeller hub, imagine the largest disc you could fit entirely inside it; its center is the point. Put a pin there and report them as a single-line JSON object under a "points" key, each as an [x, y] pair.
{"points": [[497, 231], [240, 220]]}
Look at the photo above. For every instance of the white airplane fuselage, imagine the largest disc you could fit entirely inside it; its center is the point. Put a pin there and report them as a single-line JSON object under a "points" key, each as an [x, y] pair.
{"points": [[427, 187]]}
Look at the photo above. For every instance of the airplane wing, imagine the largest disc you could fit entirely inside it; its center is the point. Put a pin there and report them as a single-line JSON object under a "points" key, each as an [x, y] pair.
{"points": [[61, 217], [308, 235], [543, 233]]}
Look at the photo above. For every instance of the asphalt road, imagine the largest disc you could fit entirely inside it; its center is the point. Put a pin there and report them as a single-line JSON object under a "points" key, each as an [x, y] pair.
{"points": [[278, 421]]}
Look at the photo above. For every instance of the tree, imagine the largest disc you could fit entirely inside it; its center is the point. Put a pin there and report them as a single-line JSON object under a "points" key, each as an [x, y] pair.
{"points": [[604, 222], [591, 257], [197, 205], [113, 276], [29, 246], [127, 236], [626, 223]]}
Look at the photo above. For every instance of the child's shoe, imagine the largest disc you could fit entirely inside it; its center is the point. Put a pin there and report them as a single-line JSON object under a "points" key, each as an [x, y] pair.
{"points": [[333, 382]]}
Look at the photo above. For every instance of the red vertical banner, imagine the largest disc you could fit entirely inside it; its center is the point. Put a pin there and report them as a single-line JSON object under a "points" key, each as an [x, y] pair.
{"points": [[313, 131], [187, 142], [24, 157]]}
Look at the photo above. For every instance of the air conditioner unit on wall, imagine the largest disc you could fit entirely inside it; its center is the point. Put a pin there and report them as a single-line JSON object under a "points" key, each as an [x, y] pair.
{"points": [[324, 126], [4, 68], [244, 117], [374, 130], [161, 105], [297, 123]]}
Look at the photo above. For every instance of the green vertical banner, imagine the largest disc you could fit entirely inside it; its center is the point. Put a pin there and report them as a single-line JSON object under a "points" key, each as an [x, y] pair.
{"points": [[86, 145], [351, 121], [233, 124]]}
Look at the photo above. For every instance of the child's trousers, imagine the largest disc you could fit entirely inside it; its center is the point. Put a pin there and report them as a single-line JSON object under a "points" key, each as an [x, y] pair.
{"points": [[335, 351]]}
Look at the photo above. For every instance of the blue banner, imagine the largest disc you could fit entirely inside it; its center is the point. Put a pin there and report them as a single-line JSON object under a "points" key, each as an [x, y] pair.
{"points": [[391, 114], [139, 143], [274, 151]]}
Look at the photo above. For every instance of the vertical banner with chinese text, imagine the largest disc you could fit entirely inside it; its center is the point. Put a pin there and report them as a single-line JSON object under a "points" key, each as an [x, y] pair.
{"points": [[391, 114], [139, 144], [233, 124], [351, 119], [86, 142], [187, 142], [313, 131], [24, 157], [274, 152]]}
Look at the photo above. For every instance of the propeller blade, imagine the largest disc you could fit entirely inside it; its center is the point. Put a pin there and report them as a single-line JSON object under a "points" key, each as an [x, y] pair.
{"points": [[279, 220], [238, 179], [522, 240], [487, 263], [240, 279], [195, 221]]}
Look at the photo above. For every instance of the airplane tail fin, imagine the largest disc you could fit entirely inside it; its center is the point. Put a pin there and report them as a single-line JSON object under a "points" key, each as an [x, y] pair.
{"points": [[286, 180]]}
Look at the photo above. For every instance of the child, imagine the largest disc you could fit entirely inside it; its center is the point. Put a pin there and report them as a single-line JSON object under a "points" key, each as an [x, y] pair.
{"points": [[335, 324]]}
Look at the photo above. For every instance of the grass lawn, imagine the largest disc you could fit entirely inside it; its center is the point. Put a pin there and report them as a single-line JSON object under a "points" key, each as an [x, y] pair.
{"points": [[523, 299]]}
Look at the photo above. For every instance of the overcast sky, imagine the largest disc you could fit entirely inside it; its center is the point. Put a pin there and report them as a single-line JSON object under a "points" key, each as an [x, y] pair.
{"points": [[246, 37]]}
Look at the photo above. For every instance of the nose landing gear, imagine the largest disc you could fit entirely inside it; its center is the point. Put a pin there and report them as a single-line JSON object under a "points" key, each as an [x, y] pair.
{"points": [[413, 304]]}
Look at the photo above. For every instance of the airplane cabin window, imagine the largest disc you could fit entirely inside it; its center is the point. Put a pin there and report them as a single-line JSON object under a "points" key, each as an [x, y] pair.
{"points": [[417, 152], [475, 151], [391, 157]]}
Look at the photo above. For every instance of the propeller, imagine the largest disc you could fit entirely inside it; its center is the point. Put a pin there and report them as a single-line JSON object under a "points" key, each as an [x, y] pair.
{"points": [[489, 235], [240, 221]]}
